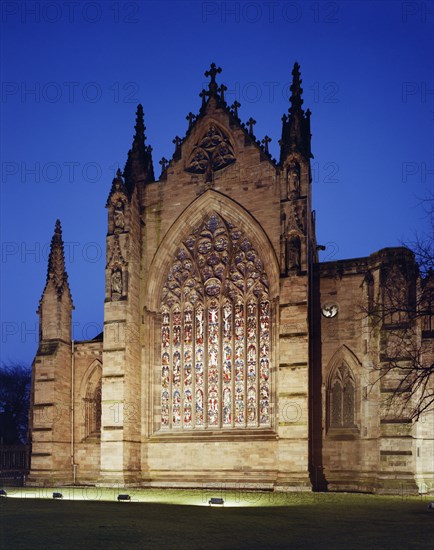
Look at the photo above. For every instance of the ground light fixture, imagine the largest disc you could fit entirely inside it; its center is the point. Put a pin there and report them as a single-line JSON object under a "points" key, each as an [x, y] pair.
{"points": [[57, 496], [216, 501], [124, 498], [3, 493]]}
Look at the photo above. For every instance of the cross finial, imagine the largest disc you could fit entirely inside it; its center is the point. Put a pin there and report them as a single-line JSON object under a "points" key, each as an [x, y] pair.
{"points": [[222, 91], [213, 71], [250, 123], [164, 163], [266, 141], [177, 141], [203, 95], [235, 106], [190, 117]]}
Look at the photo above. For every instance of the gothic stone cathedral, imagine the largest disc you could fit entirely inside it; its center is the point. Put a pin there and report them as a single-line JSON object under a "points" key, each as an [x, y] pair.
{"points": [[229, 354]]}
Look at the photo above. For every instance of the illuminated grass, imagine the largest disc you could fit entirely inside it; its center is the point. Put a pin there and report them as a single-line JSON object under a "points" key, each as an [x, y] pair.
{"points": [[182, 519]]}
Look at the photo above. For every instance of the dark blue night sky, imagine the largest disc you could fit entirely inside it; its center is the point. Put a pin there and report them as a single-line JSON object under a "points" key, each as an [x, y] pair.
{"points": [[73, 73]]}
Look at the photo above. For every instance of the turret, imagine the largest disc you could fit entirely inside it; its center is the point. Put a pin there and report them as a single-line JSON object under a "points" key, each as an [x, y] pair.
{"points": [[139, 168], [297, 234], [55, 305], [296, 125]]}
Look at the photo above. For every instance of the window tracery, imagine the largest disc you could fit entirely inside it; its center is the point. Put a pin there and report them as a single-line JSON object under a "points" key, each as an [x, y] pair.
{"points": [[342, 398], [93, 409], [213, 152], [215, 335]]}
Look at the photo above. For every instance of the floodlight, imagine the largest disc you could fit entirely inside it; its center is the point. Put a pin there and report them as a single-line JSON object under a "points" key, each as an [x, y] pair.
{"points": [[3, 493], [124, 498], [216, 501], [57, 496]]}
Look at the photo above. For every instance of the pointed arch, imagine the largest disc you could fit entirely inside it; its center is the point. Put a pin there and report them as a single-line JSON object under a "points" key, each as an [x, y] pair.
{"points": [[343, 391], [191, 217], [91, 395], [215, 310]]}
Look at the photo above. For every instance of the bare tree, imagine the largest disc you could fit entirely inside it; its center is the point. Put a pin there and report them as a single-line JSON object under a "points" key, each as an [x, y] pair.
{"points": [[15, 380], [401, 314]]}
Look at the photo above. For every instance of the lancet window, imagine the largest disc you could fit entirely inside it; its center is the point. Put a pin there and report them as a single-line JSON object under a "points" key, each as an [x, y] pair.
{"points": [[93, 409], [342, 401]]}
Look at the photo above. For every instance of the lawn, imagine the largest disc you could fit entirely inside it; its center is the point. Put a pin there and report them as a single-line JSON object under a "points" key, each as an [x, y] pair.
{"points": [[181, 519]]}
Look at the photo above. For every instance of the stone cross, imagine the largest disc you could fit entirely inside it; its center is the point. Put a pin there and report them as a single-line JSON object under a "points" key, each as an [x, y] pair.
{"points": [[235, 106], [266, 141], [177, 141], [190, 117], [250, 123], [212, 73], [222, 91], [203, 95], [164, 163]]}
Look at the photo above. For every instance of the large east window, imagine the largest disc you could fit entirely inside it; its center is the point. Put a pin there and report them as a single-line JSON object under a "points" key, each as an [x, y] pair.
{"points": [[215, 333]]}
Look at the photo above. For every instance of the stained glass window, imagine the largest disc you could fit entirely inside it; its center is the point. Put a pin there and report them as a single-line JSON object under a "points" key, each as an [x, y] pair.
{"points": [[215, 333], [93, 409], [342, 398]]}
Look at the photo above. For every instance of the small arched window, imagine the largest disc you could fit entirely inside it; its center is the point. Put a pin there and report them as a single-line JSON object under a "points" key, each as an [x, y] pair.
{"points": [[93, 409], [342, 398]]}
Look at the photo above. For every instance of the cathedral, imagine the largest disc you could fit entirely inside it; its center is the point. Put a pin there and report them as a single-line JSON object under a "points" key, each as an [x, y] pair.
{"points": [[230, 355]]}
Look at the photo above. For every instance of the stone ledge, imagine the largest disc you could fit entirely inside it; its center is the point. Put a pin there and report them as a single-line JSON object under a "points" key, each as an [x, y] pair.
{"points": [[228, 435], [396, 453], [292, 365]]}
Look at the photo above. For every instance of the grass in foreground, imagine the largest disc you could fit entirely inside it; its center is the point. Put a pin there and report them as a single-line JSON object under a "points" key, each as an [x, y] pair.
{"points": [[249, 520]]}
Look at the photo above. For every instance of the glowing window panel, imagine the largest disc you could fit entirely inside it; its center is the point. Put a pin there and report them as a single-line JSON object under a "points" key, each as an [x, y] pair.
{"points": [[215, 333]]}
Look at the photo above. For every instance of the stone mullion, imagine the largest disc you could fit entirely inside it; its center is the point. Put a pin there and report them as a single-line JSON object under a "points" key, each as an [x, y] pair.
{"points": [[87, 417], [199, 386], [181, 385], [205, 364], [253, 341], [171, 369], [187, 383], [193, 368], [213, 367], [258, 365], [232, 364], [245, 367], [220, 365], [341, 419], [264, 341]]}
